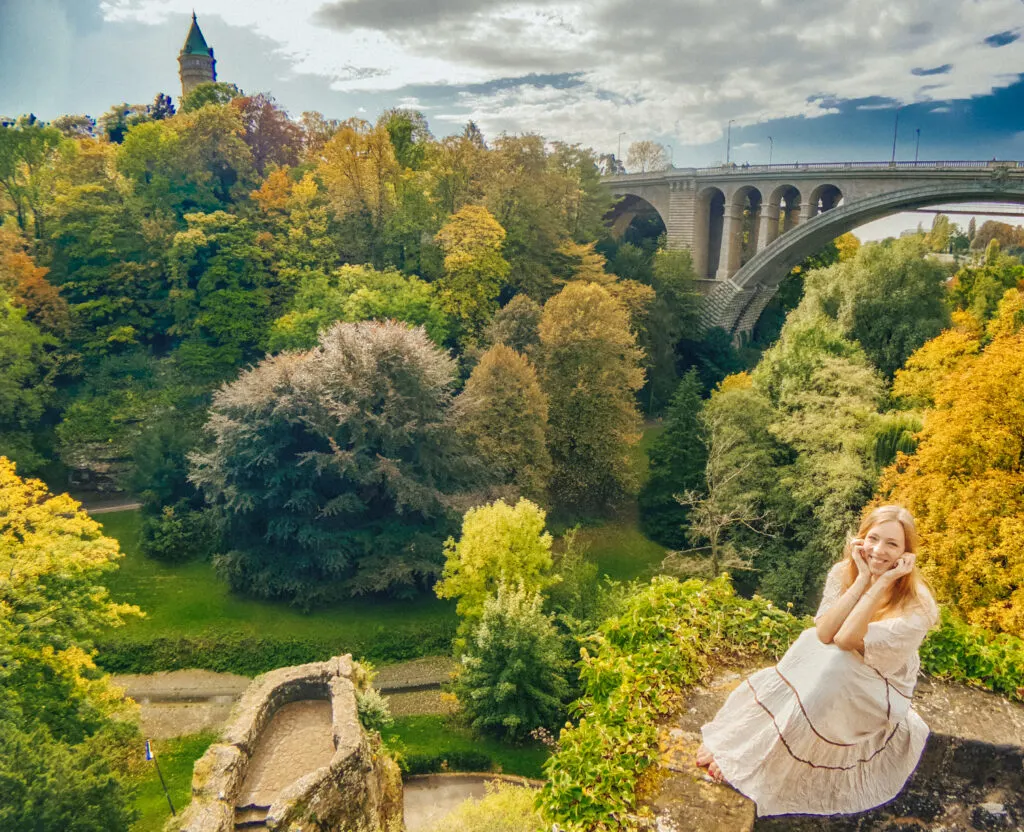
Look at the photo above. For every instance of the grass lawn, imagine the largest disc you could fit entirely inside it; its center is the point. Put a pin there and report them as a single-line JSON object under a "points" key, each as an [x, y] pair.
{"points": [[436, 735], [189, 598], [176, 759]]}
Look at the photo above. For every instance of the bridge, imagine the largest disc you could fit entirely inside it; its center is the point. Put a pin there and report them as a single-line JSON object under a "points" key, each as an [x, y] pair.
{"points": [[748, 226]]}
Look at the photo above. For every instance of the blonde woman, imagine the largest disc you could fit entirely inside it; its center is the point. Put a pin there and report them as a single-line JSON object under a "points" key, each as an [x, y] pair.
{"points": [[831, 729]]}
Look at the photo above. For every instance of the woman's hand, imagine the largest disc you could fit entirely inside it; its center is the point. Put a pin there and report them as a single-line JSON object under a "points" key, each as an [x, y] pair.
{"points": [[863, 570], [903, 566]]}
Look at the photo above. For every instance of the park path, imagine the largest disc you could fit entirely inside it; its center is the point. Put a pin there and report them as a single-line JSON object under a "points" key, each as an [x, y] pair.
{"points": [[178, 702]]}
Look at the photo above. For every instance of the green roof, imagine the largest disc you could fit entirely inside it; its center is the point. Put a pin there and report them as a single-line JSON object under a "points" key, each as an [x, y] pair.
{"points": [[195, 43]]}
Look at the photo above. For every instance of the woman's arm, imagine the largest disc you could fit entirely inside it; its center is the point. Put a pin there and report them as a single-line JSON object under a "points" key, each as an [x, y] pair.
{"points": [[850, 635], [829, 622]]}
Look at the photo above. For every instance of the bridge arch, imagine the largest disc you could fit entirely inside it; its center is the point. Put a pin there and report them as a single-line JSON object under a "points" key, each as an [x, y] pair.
{"points": [[823, 198], [708, 221], [629, 208], [747, 205], [736, 304]]}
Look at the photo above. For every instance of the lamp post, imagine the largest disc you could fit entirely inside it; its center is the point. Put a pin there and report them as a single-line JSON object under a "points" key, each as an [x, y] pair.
{"points": [[728, 140], [619, 156], [771, 150], [895, 130], [671, 156], [917, 145]]}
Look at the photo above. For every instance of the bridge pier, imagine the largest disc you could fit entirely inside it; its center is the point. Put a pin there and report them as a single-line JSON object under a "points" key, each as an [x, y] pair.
{"points": [[769, 229], [732, 242]]}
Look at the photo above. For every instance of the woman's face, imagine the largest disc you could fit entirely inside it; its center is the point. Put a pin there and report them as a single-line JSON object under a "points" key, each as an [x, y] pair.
{"points": [[884, 544]]}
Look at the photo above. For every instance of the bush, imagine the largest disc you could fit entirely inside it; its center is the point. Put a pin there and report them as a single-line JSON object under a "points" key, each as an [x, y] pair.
{"points": [[180, 533], [505, 808], [446, 761], [975, 656], [251, 655], [374, 711]]}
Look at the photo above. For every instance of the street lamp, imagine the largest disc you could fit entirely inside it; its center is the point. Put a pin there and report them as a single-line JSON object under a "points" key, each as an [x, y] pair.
{"points": [[671, 157], [619, 157], [728, 140], [917, 145], [771, 149], [895, 129]]}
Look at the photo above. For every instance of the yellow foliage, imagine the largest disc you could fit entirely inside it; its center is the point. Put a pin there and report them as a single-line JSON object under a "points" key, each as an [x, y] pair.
{"points": [[933, 362], [965, 484], [847, 244], [737, 381]]}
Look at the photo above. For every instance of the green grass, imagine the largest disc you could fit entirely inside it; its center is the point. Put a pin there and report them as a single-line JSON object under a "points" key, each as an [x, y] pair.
{"points": [[438, 735], [176, 758], [189, 599], [621, 550]]}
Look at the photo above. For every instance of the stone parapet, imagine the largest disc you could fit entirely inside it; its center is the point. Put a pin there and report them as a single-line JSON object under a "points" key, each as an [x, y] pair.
{"points": [[359, 790]]}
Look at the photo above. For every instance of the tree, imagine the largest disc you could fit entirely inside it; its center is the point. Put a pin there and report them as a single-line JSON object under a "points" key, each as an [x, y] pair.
{"points": [[889, 298], [505, 418], [1009, 236], [28, 287], [316, 132], [644, 156], [26, 383], [978, 289], [409, 135], [475, 269], [965, 483], [339, 470], [515, 325], [500, 544], [272, 137], [938, 239], [75, 126], [512, 679], [972, 229], [211, 92], [162, 107], [590, 369], [677, 461], [26, 148], [719, 506], [356, 293], [60, 722], [115, 122]]}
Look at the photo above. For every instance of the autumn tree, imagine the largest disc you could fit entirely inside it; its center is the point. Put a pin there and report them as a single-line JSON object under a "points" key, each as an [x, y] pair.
{"points": [[965, 483], [590, 369], [271, 136], [504, 415], [28, 287], [211, 92], [60, 720], [978, 289], [644, 156], [499, 544], [339, 470], [475, 269]]}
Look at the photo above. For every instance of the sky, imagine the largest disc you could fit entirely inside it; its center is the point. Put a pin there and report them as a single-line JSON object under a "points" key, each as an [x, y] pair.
{"points": [[823, 78]]}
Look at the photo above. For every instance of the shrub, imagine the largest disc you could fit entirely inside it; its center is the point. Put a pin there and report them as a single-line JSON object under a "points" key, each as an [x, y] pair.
{"points": [[374, 711], [505, 808], [180, 533]]}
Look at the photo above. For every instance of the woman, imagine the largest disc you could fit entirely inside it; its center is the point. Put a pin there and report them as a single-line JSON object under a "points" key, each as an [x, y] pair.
{"points": [[830, 729]]}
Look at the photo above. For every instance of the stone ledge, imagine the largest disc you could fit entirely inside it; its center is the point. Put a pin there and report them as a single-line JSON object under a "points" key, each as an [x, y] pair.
{"points": [[970, 778]]}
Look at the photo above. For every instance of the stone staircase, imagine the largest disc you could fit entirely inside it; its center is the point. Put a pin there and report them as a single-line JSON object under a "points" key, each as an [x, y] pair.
{"points": [[251, 817], [970, 778]]}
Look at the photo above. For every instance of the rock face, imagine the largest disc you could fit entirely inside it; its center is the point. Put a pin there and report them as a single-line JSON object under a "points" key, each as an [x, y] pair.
{"points": [[970, 778], [359, 790]]}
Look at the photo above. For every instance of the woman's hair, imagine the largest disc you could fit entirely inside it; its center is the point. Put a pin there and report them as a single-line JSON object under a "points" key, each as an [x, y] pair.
{"points": [[906, 590]]}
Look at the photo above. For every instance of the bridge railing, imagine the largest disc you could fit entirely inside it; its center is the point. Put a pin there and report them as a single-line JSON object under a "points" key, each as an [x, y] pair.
{"points": [[841, 166]]}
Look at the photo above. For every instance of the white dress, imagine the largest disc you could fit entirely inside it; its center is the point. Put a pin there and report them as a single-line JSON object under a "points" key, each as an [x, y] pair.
{"points": [[825, 731]]}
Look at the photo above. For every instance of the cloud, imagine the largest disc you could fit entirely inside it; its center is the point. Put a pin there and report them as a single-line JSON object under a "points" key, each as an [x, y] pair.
{"points": [[941, 110], [945, 69], [673, 70], [1002, 38]]}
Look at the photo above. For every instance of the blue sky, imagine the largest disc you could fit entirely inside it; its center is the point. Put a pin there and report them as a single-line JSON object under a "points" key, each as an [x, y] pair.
{"points": [[823, 78]]}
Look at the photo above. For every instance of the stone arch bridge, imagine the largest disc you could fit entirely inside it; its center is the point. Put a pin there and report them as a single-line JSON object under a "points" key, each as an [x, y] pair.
{"points": [[748, 226]]}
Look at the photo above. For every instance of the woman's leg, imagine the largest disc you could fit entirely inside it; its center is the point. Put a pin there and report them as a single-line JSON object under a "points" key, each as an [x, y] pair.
{"points": [[704, 757]]}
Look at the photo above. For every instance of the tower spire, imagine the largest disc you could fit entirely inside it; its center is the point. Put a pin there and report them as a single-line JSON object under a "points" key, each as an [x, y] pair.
{"points": [[195, 61]]}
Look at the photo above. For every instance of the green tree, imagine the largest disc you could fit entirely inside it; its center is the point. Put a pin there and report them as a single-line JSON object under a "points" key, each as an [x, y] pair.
{"points": [[676, 465], [512, 679], [978, 289], [475, 269], [338, 469], [515, 325], [646, 156], [504, 415], [590, 369], [26, 148], [409, 135], [212, 92], [26, 384], [357, 293], [500, 544], [889, 298]]}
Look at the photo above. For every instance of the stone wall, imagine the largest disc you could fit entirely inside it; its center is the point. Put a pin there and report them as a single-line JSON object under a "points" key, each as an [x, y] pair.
{"points": [[359, 791]]}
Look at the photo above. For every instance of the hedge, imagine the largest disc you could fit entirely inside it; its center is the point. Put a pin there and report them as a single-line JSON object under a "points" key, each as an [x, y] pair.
{"points": [[250, 655]]}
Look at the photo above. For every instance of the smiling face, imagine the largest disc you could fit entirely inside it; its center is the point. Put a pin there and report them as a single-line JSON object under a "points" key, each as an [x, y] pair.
{"points": [[884, 544]]}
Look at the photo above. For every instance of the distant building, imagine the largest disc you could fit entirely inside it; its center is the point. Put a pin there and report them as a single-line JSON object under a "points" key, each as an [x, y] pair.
{"points": [[196, 62], [7, 121]]}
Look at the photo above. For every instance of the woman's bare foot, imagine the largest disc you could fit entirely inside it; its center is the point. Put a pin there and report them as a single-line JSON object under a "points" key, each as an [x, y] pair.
{"points": [[715, 773], [704, 757]]}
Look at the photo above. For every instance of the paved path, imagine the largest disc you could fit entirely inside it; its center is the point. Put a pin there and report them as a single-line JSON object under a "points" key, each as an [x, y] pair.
{"points": [[174, 703], [429, 798]]}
